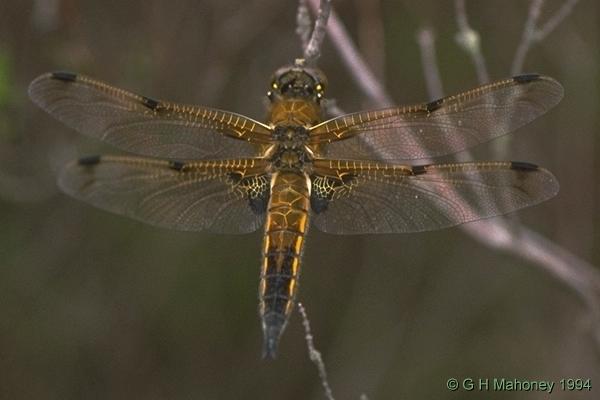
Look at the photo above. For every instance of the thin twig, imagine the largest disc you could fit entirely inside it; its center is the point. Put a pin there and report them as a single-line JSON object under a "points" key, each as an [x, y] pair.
{"points": [[555, 20], [303, 24], [577, 274], [469, 40], [370, 30], [532, 34], [314, 354], [426, 41], [363, 77], [528, 36], [313, 48]]}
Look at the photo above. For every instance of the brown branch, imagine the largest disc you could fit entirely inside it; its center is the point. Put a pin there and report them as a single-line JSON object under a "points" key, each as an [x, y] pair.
{"points": [[313, 48], [577, 274], [469, 40], [426, 42], [532, 34], [553, 22], [303, 24], [369, 31], [528, 36], [362, 74]]}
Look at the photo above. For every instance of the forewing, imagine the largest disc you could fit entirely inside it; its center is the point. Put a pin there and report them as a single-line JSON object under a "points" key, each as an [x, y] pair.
{"points": [[445, 126], [382, 198], [141, 125], [194, 196]]}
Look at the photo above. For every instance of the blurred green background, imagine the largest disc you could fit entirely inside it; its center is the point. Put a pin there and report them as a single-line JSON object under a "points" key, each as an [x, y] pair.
{"points": [[94, 305]]}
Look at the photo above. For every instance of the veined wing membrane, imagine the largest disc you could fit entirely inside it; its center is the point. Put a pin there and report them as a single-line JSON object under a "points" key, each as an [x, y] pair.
{"points": [[366, 197], [141, 125], [444, 126], [227, 196]]}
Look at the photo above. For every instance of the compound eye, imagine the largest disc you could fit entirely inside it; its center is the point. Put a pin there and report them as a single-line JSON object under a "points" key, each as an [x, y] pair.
{"points": [[286, 87]]}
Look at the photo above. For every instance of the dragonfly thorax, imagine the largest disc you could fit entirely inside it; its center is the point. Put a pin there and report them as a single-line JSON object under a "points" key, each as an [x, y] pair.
{"points": [[290, 152], [294, 159], [290, 136]]}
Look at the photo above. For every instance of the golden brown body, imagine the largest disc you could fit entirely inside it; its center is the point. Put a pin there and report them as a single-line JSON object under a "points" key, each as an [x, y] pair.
{"points": [[287, 221]]}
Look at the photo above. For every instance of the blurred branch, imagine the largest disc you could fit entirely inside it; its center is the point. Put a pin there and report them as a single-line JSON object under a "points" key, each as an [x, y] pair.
{"points": [[303, 24], [314, 354], [313, 48], [45, 14], [527, 37], [370, 30], [532, 34], [562, 13], [577, 274], [469, 40], [364, 78], [426, 42]]}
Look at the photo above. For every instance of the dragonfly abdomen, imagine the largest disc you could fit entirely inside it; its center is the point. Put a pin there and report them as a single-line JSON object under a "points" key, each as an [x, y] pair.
{"points": [[287, 222]]}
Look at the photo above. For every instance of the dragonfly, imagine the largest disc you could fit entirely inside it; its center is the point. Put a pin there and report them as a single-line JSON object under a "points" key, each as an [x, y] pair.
{"points": [[202, 169]]}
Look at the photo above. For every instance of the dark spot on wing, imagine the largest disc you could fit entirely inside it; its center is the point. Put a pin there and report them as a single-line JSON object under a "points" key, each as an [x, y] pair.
{"points": [[323, 189], [150, 103], [419, 169], [526, 78], [348, 179], [89, 160], [434, 105], [259, 205], [257, 189], [318, 204], [523, 166], [235, 177], [64, 76], [176, 165]]}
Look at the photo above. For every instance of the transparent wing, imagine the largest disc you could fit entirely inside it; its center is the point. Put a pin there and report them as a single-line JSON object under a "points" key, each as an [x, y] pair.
{"points": [[141, 125], [355, 198], [445, 126], [196, 196]]}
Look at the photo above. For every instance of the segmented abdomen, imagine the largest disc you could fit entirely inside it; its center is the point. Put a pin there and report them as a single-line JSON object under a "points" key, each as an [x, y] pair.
{"points": [[287, 221]]}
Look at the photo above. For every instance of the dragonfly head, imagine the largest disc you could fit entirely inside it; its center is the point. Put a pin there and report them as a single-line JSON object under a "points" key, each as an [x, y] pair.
{"points": [[298, 81]]}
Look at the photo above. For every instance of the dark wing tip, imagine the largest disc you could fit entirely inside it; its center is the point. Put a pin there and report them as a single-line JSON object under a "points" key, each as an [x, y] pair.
{"points": [[37, 87], [523, 166], [64, 76], [526, 78], [89, 160], [548, 90], [549, 184]]}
